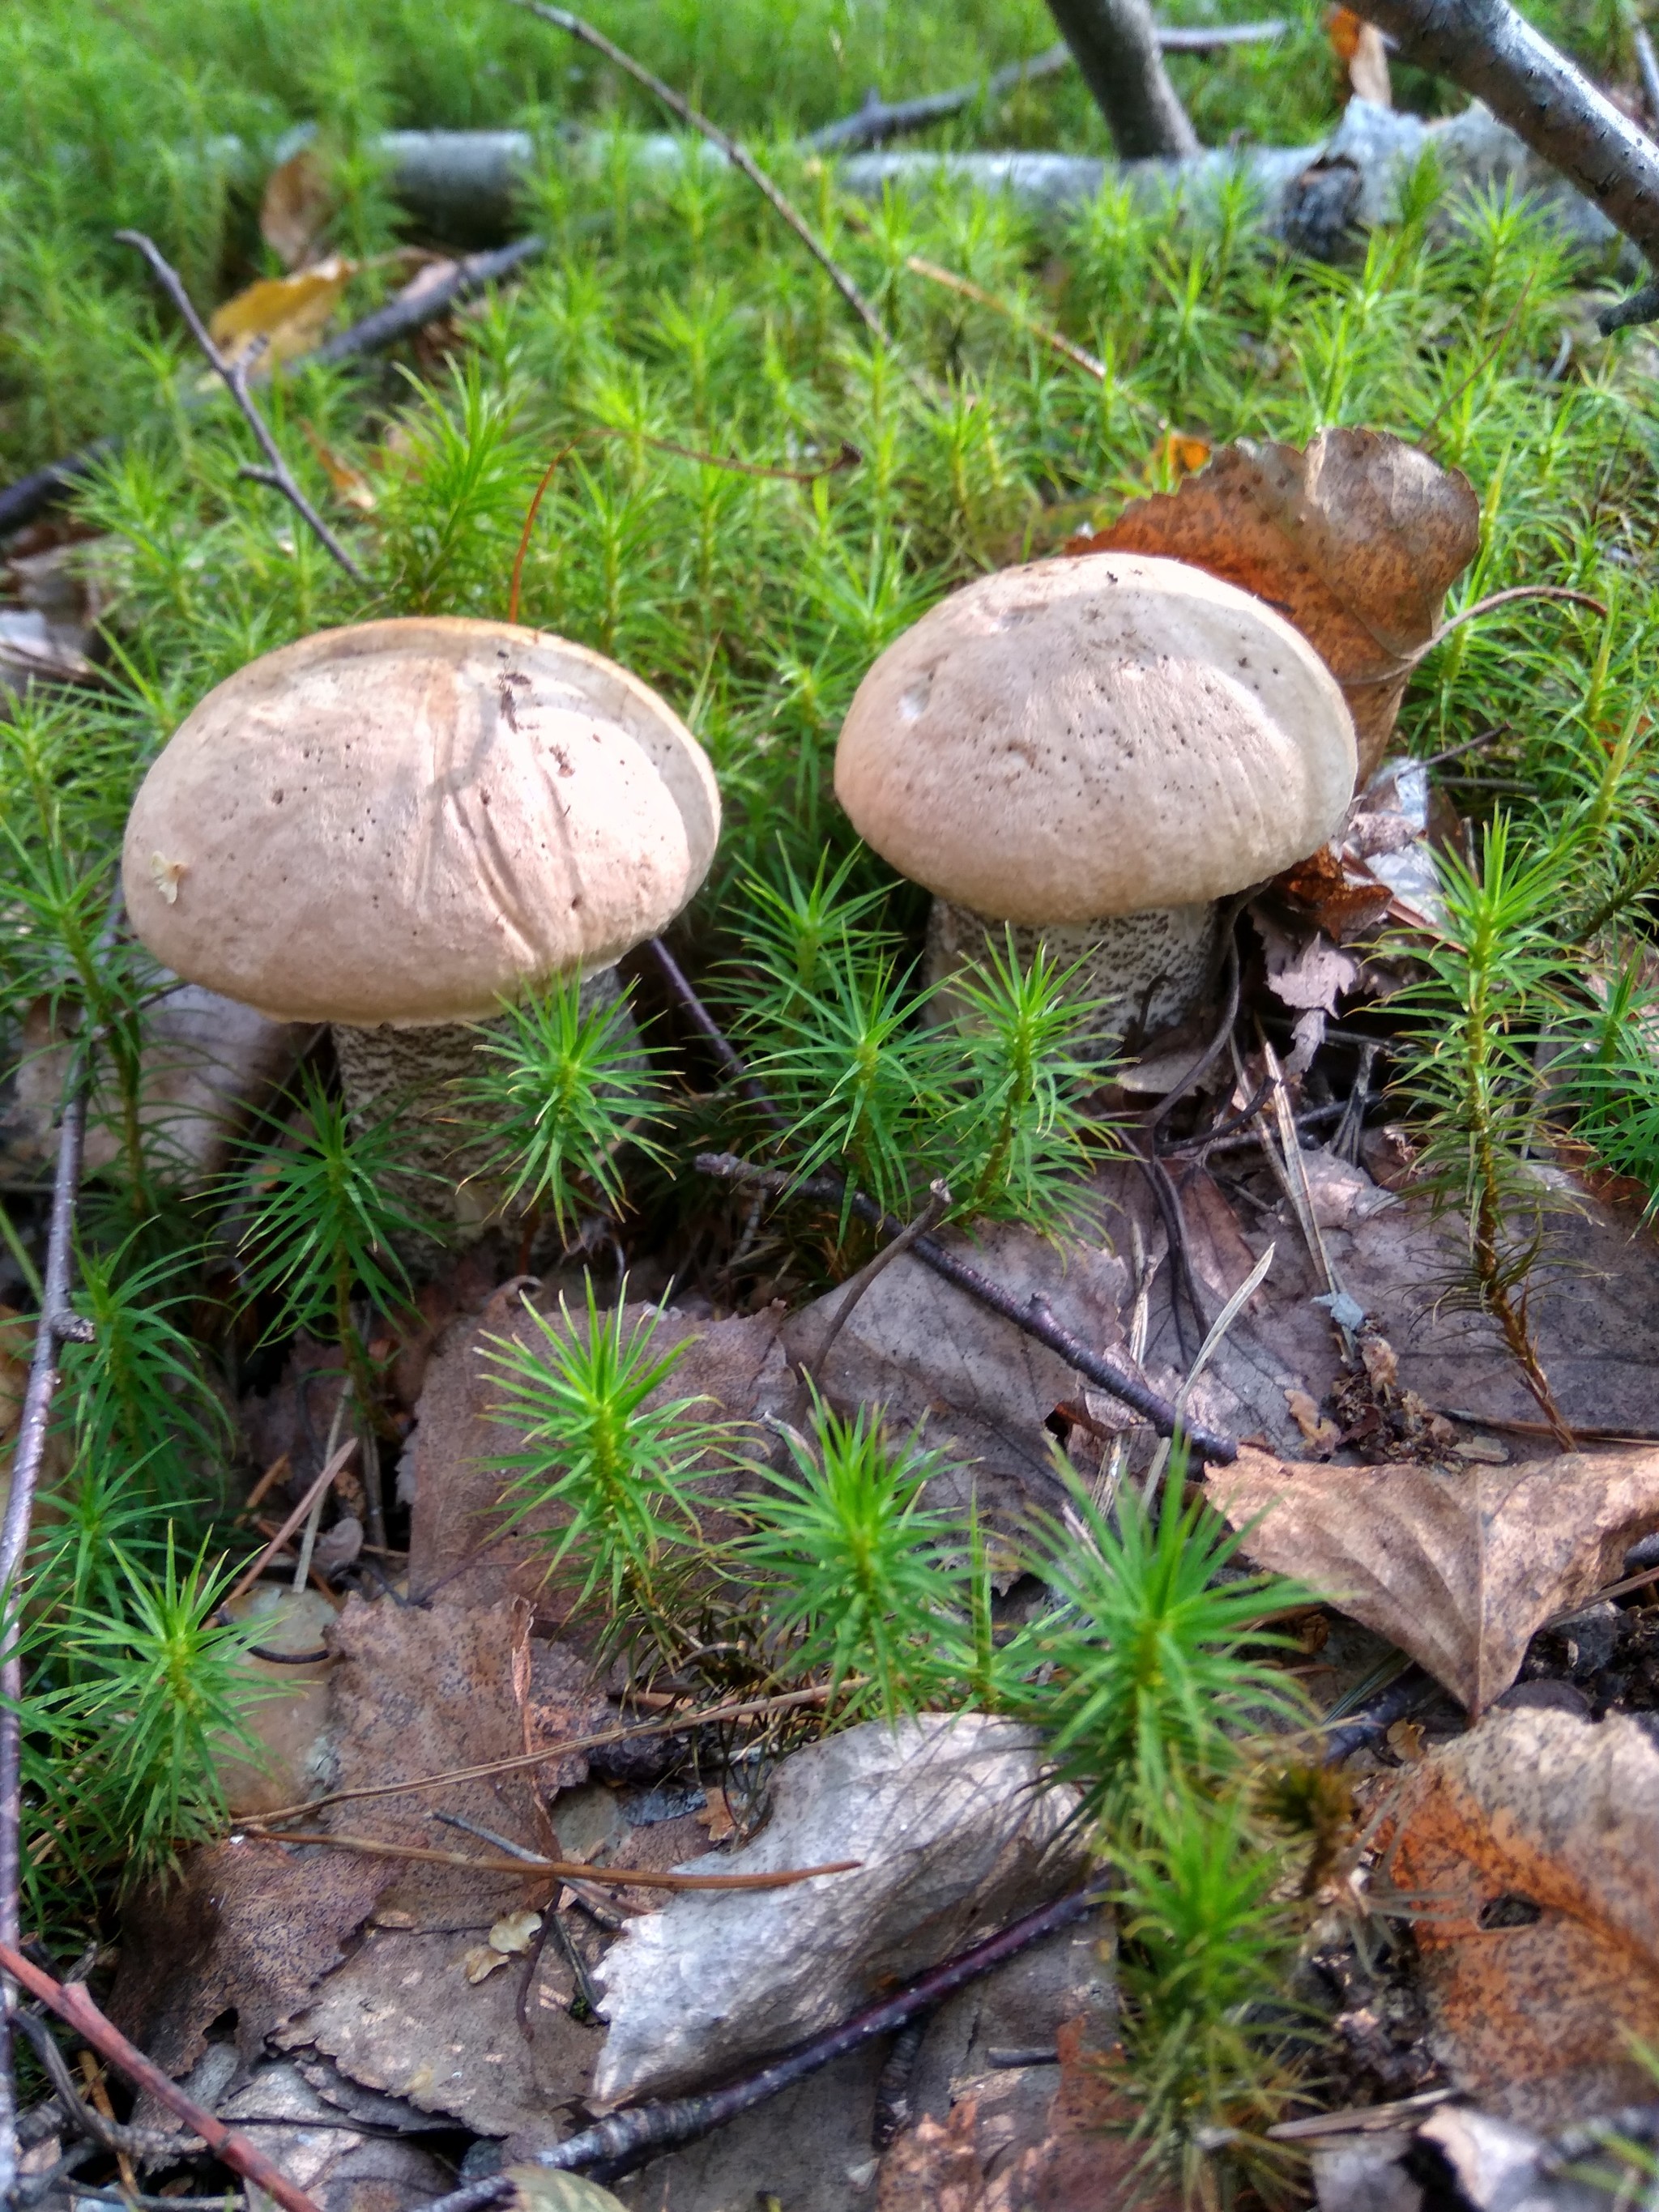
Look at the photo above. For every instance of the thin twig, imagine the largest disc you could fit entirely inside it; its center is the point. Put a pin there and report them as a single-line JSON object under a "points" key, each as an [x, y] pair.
{"points": [[919, 265], [246, 1582], [71, 2002], [1647, 65], [564, 1870], [58, 1323], [235, 377], [740, 158], [1034, 1317], [669, 1725], [938, 1204], [624, 2140], [1403, 663], [45, 488]]}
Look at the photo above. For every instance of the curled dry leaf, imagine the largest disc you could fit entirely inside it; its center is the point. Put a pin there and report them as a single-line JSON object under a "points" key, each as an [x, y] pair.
{"points": [[1361, 55], [295, 208], [280, 317], [1529, 1852], [1357, 540], [1459, 1569]]}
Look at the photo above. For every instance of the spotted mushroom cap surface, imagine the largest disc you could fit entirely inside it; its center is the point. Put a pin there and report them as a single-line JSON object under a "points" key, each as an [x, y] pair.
{"points": [[1096, 736], [404, 822]]}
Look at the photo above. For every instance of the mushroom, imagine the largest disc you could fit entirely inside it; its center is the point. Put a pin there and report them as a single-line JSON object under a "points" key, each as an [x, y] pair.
{"points": [[393, 826], [1098, 751]]}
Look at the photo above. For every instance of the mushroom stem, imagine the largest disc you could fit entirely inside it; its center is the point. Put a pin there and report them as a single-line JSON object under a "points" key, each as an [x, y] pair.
{"points": [[420, 1075], [1147, 971]]}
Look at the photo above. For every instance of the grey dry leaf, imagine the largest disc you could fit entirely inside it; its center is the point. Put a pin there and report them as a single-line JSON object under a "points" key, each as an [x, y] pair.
{"points": [[1460, 1570], [1528, 1851], [1356, 541]]}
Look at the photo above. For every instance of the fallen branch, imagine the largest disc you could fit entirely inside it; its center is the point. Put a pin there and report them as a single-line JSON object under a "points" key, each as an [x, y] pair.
{"points": [[570, 1869], [878, 121], [736, 154], [233, 374], [1492, 52], [72, 2002], [1117, 45], [616, 2145]]}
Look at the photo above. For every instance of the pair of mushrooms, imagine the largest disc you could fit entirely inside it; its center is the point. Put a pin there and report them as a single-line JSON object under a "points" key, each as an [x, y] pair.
{"points": [[393, 826]]}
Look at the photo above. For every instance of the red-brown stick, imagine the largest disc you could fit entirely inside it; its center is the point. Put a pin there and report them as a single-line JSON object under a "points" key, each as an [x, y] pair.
{"points": [[72, 2002]]}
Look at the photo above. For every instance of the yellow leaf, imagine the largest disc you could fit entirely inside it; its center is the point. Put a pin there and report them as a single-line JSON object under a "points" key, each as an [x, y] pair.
{"points": [[281, 316]]}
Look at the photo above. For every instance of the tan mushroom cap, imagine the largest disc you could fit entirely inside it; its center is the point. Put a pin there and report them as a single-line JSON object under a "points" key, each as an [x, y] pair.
{"points": [[405, 822], [1096, 736]]}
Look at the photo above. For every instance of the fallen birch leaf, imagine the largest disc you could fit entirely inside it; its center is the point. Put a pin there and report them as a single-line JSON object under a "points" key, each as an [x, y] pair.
{"points": [[280, 317], [1357, 540], [295, 208], [480, 1962], [1530, 1848], [1458, 1569]]}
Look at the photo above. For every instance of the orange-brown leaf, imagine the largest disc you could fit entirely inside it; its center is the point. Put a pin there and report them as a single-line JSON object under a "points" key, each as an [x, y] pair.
{"points": [[1530, 1851], [1356, 541]]}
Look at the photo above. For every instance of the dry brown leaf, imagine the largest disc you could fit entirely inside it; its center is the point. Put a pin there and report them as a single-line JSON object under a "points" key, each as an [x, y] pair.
{"points": [[1459, 1569], [295, 208], [280, 317], [246, 1927], [1356, 541], [1531, 1846]]}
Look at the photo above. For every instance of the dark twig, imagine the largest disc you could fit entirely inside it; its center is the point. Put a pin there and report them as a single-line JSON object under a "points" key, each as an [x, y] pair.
{"points": [[71, 2002], [1647, 65], [738, 155], [1033, 1317], [58, 1324], [624, 2140], [878, 121], [1409, 1690], [1492, 52], [235, 377]]}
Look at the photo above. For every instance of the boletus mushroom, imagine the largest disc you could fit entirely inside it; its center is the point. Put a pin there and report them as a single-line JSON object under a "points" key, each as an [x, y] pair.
{"points": [[1098, 751], [393, 826]]}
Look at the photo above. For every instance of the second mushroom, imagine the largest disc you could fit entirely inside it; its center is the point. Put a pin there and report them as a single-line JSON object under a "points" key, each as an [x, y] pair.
{"points": [[1096, 751]]}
